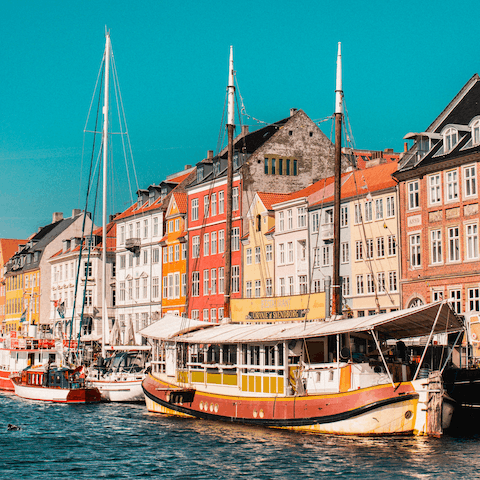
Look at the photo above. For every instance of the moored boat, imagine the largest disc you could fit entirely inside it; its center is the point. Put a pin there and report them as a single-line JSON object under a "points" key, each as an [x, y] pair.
{"points": [[323, 377], [54, 384]]}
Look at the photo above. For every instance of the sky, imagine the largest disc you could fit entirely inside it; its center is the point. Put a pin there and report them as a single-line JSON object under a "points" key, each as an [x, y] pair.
{"points": [[402, 64]]}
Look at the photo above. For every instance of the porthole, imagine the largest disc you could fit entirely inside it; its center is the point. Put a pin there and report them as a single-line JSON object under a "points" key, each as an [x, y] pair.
{"points": [[255, 414], [408, 414]]}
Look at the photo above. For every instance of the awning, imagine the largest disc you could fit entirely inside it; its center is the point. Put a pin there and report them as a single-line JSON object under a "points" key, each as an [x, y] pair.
{"points": [[412, 322], [171, 325]]}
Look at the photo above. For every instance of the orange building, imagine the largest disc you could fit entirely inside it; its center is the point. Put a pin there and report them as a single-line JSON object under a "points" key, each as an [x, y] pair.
{"points": [[174, 249], [8, 246]]}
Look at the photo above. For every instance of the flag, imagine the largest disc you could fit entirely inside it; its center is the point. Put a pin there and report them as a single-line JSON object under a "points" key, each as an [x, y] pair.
{"points": [[61, 310], [23, 318]]}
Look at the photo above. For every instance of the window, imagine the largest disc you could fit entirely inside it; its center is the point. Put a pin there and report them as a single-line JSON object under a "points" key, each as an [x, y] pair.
{"points": [[451, 185], [368, 211], [165, 254], [235, 279], [370, 283], [122, 235], [145, 228], [287, 170], [390, 206], [413, 195], [378, 208], [170, 253], [170, 286], [122, 291], [470, 179], [302, 284], [155, 226], [474, 299], [281, 286], [235, 198], [213, 245], [359, 284], [221, 202], [437, 295], [205, 315], [358, 250], [281, 254], [155, 255], [194, 209], [345, 253], [472, 241], [265, 166], [476, 132], [145, 287], [290, 252], [450, 139], [177, 252], [196, 246], [456, 300], [289, 219], [221, 241], [213, 315], [213, 281], [272, 166], [206, 244], [280, 166], [195, 284], [145, 257], [453, 244], [345, 286], [176, 278], [235, 239], [177, 224], [221, 279], [258, 288], [184, 284], [328, 216], [195, 314], [137, 229], [369, 248], [392, 245], [87, 269], [435, 189], [206, 203], [392, 281], [268, 287], [249, 256], [344, 216], [380, 247], [436, 246], [317, 286], [155, 288], [257, 254], [358, 213], [88, 298], [415, 258], [130, 289], [315, 222], [301, 217], [291, 286], [206, 281], [213, 206], [281, 223], [269, 253], [381, 282], [184, 251], [326, 255]]}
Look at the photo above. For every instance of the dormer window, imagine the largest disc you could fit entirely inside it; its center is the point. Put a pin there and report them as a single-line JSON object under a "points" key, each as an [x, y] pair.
{"points": [[199, 174], [476, 132], [151, 197], [216, 168], [163, 191], [235, 161], [450, 138]]}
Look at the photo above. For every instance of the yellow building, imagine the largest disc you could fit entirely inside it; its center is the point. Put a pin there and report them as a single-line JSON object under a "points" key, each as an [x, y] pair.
{"points": [[258, 247], [14, 305]]}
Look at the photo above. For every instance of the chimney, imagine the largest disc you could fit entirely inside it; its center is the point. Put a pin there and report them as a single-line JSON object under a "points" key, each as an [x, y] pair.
{"points": [[210, 155], [405, 147], [57, 216], [388, 150], [75, 212], [188, 167], [293, 111]]}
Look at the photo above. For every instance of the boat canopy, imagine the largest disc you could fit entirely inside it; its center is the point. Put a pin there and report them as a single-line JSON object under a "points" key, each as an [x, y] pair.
{"points": [[170, 326], [412, 322]]}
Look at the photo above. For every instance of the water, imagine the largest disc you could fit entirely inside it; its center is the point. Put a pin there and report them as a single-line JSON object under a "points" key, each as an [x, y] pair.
{"points": [[114, 441]]}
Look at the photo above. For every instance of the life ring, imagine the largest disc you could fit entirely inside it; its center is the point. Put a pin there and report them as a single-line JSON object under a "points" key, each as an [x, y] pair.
{"points": [[474, 336]]}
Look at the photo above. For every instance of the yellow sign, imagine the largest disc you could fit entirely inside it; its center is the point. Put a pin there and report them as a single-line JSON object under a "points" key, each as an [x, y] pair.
{"points": [[278, 309]]}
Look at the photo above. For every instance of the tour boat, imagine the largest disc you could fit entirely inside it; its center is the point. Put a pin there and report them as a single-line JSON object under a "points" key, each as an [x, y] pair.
{"points": [[19, 353], [54, 384], [321, 376]]}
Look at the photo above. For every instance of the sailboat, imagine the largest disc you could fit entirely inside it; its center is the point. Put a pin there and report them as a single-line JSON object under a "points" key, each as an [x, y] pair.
{"points": [[120, 370], [332, 376]]}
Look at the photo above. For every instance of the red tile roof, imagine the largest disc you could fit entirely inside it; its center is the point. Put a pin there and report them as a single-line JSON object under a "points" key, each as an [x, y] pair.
{"points": [[181, 201], [8, 247], [178, 179], [269, 199]]}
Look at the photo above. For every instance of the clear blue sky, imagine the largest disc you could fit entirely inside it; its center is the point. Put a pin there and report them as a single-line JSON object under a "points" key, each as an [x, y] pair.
{"points": [[402, 63]]}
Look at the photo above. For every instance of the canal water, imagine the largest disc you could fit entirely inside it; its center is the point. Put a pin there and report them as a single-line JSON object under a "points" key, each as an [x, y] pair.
{"points": [[115, 441]]}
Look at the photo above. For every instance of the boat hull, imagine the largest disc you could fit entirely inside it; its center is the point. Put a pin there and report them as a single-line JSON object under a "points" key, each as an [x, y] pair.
{"points": [[120, 391], [58, 395], [5, 382], [379, 410]]}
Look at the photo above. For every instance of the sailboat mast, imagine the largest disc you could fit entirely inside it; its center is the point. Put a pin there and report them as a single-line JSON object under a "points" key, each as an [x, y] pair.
{"points": [[105, 331], [336, 302], [228, 233]]}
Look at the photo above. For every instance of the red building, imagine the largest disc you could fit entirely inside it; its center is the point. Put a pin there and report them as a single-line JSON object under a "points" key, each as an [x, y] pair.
{"points": [[439, 208]]}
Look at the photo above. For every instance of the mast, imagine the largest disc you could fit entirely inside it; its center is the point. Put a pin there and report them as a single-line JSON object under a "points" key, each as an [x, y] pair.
{"points": [[105, 332], [336, 302], [228, 233]]}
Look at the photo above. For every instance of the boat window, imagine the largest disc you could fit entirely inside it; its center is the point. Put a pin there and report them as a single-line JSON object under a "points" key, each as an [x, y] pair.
{"points": [[213, 354], [230, 354]]}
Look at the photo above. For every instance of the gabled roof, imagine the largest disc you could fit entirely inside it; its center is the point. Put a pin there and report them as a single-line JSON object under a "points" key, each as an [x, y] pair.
{"points": [[269, 199], [8, 247]]}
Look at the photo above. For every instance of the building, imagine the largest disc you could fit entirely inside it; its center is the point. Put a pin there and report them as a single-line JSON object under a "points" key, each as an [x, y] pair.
{"points": [[439, 208], [28, 272]]}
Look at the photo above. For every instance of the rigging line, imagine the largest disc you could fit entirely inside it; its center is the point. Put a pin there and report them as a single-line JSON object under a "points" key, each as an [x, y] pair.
{"points": [[118, 98], [352, 139], [243, 110]]}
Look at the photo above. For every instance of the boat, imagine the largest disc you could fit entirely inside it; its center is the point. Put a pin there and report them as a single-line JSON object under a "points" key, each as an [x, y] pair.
{"points": [[19, 352], [52, 383], [119, 377], [298, 375], [120, 370], [331, 376]]}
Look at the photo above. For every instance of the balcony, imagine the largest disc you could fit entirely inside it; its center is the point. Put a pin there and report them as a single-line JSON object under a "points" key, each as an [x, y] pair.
{"points": [[327, 232], [133, 244]]}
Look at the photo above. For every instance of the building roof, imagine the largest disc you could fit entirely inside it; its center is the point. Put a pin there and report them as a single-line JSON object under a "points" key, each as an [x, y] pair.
{"points": [[8, 247], [269, 199]]}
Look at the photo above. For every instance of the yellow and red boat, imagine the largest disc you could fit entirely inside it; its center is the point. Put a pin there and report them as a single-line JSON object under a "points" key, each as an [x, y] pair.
{"points": [[337, 377]]}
